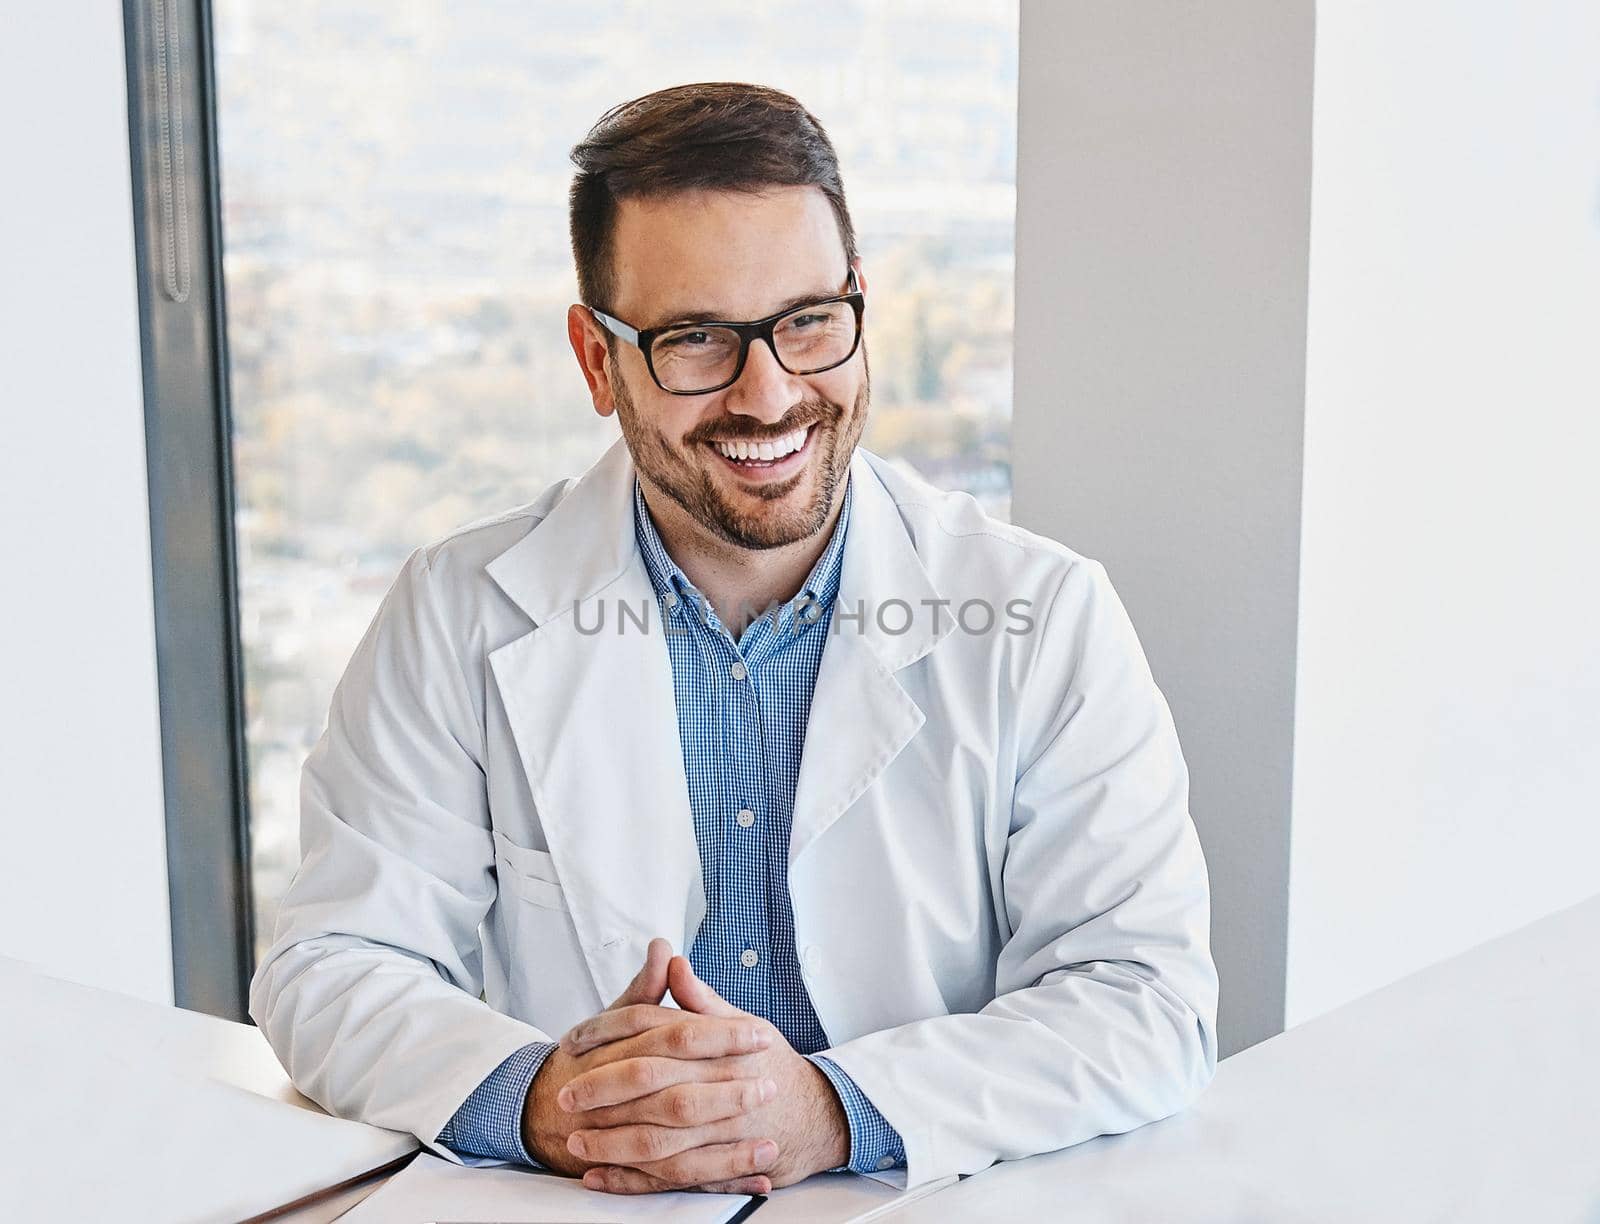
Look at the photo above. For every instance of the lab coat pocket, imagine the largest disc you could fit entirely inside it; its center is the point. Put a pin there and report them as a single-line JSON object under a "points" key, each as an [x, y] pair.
{"points": [[530, 873]]}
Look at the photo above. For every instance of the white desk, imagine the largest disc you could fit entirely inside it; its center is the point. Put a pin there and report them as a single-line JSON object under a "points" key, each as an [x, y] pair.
{"points": [[1469, 1091], [115, 1108]]}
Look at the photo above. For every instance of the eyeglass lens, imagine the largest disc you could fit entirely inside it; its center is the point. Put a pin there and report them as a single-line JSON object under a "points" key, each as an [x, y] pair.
{"points": [[813, 338]]}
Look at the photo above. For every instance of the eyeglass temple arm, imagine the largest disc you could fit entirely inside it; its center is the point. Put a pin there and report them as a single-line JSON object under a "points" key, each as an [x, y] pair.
{"points": [[616, 327]]}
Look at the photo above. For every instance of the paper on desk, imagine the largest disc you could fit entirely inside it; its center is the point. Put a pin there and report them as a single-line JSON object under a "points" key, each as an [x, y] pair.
{"points": [[842, 1198], [190, 1118], [433, 1189]]}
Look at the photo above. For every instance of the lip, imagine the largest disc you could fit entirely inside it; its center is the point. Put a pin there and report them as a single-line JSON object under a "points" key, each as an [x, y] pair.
{"points": [[776, 469]]}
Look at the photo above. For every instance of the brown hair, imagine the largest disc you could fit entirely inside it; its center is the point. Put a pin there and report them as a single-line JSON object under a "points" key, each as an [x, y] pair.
{"points": [[723, 136]]}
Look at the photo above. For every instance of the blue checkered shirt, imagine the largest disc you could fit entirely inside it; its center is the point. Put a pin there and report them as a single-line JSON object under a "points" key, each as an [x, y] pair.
{"points": [[742, 714]]}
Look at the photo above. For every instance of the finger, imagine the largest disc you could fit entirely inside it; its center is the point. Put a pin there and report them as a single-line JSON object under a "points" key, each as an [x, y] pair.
{"points": [[649, 985], [692, 994], [629, 1079], [739, 1185], [669, 1032], [613, 1179], [616, 1022], [701, 1037], [640, 1145], [621, 1180], [713, 1162], [687, 1104]]}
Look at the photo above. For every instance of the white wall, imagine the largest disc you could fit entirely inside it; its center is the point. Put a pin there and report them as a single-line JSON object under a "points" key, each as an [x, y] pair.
{"points": [[1447, 765], [1164, 165], [83, 872]]}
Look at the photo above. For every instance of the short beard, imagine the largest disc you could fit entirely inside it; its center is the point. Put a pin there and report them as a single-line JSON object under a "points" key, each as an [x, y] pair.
{"points": [[693, 488]]}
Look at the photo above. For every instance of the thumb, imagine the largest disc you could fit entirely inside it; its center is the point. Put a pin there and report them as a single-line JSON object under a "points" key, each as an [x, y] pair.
{"points": [[692, 994], [650, 983]]}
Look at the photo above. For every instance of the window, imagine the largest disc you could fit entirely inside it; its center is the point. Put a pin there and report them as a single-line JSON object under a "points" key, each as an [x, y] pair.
{"points": [[396, 259]]}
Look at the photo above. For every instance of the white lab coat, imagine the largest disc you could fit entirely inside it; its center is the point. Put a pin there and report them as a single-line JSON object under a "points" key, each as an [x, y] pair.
{"points": [[1000, 903]]}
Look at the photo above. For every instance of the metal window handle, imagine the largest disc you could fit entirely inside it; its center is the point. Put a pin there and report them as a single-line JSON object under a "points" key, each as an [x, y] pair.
{"points": [[169, 117]]}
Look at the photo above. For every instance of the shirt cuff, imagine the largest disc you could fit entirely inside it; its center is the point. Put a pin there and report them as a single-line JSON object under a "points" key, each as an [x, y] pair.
{"points": [[489, 1122], [874, 1144]]}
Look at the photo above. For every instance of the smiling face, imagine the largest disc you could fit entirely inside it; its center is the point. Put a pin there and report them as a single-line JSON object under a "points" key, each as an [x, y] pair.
{"points": [[759, 464]]}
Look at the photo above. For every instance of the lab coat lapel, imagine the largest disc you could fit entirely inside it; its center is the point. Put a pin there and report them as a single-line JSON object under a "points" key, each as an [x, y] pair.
{"points": [[861, 716], [589, 698]]}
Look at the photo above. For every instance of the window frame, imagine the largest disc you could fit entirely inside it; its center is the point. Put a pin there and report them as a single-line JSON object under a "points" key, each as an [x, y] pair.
{"points": [[188, 441]]}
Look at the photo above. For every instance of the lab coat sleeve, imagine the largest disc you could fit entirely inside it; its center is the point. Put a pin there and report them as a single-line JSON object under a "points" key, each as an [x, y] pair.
{"points": [[1105, 1009], [370, 991]]}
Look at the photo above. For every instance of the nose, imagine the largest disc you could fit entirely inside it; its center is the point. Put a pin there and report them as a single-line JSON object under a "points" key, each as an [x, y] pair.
{"points": [[765, 390]]}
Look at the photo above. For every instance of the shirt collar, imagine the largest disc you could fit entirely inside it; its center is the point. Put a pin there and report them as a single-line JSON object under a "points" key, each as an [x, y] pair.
{"points": [[820, 587]]}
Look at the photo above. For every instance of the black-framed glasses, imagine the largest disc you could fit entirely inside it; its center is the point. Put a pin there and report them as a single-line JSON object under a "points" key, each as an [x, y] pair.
{"points": [[699, 358]]}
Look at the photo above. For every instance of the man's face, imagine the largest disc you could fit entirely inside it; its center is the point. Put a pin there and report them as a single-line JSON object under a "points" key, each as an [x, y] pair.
{"points": [[713, 255]]}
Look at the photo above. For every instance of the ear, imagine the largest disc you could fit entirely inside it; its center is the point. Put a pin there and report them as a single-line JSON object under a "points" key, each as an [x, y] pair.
{"points": [[588, 342], [861, 277]]}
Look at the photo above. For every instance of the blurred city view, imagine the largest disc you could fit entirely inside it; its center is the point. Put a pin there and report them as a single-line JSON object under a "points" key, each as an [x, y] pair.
{"points": [[397, 266]]}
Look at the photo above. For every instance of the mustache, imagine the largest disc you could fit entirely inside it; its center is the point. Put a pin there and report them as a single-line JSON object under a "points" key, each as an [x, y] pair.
{"points": [[738, 429]]}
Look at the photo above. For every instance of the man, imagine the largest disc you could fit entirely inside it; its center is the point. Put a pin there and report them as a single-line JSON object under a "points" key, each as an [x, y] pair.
{"points": [[893, 775]]}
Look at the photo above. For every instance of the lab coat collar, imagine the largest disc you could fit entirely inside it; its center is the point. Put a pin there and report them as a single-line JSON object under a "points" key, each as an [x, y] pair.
{"points": [[584, 544]]}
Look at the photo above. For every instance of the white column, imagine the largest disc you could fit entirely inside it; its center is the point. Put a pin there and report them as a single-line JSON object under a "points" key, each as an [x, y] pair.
{"points": [[1163, 180]]}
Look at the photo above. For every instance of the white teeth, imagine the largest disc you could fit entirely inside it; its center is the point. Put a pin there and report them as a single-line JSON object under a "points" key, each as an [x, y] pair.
{"points": [[767, 451]]}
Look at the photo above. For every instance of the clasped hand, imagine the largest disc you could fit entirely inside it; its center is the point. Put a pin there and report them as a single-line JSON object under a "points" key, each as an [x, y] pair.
{"points": [[643, 1097]]}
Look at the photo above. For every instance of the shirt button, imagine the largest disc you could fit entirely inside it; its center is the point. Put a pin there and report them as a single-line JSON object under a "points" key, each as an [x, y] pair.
{"points": [[746, 818], [885, 1162], [738, 670], [810, 958], [749, 958], [671, 599]]}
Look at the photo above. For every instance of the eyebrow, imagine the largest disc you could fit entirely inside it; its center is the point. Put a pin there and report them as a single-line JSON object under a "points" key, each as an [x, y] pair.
{"points": [[702, 315]]}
